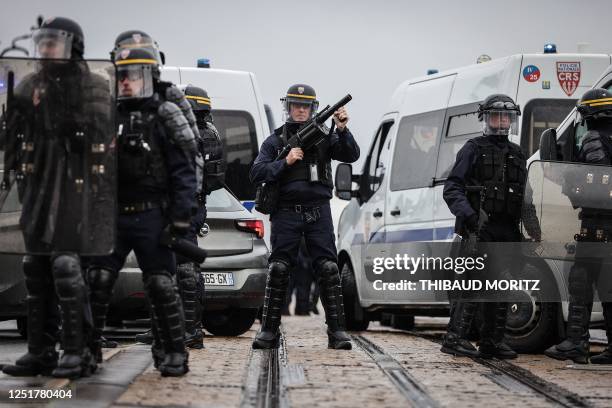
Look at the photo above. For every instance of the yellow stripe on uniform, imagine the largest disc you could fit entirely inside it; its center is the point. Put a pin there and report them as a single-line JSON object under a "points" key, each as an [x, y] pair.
{"points": [[595, 101], [302, 96], [199, 99], [601, 103], [136, 61]]}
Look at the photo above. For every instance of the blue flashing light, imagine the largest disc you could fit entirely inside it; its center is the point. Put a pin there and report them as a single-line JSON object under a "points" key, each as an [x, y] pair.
{"points": [[203, 63], [550, 48]]}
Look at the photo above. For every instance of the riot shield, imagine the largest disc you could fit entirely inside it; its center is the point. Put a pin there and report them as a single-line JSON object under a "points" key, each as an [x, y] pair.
{"points": [[58, 156], [567, 209]]}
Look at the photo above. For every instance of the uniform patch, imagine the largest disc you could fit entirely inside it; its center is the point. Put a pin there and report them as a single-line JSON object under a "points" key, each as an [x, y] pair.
{"points": [[300, 90], [137, 38], [531, 73], [124, 53], [568, 74]]}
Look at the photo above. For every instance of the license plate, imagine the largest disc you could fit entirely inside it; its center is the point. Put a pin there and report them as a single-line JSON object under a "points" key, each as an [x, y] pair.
{"points": [[218, 278]]}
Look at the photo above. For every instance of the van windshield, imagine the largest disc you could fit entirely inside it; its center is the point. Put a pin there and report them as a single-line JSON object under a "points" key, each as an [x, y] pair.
{"points": [[539, 115], [237, 131]]}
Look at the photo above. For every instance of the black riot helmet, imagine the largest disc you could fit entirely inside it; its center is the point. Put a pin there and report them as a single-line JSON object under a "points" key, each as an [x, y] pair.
{"points": [[198, 99], [59, 38], [300, 94], [138, 39], [137, 71], [595, 106], [499, 115]]}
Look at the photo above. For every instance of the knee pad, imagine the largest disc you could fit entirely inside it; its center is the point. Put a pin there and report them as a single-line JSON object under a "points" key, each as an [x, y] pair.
{"points": [[186, 274], [328, 271], [101, 282], [67, 273], [278, 273], [160, 287]]}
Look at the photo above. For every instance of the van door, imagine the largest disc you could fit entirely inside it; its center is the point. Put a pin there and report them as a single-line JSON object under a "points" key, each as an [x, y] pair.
{"points": [[372, 188]]}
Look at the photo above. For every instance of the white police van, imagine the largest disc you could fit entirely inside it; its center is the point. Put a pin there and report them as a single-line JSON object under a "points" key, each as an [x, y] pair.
{"points": [[399, 195], [240, 115]]}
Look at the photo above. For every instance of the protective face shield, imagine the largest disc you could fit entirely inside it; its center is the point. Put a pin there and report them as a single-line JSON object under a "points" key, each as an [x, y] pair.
{"points": [[500, 122], [134, 81], [52, 43], [300, 104]]}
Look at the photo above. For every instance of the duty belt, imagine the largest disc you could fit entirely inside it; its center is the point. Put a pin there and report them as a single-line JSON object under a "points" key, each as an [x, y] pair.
{"points": [[298, 208], [138, 207]]}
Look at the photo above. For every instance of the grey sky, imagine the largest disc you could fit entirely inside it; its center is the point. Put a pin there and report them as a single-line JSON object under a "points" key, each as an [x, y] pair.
{"points": [[363, 47]]}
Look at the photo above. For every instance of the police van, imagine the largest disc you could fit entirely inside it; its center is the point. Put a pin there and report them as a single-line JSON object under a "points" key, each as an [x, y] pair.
{"points": [[399, 195], [241, 117]]}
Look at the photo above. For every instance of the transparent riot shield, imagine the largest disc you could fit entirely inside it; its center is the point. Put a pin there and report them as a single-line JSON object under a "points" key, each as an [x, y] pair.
{"points": [[58, 157], [567, 210]]}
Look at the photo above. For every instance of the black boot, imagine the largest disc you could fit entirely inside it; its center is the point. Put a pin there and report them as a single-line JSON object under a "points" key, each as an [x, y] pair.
{"points": [[276, 287], [455, 341], [77, 359], [168, 326], [187, 284], [576, 346], [146, 337], [331, 296], [101, 282], [606, 356], [493, 332], [43, 321]]}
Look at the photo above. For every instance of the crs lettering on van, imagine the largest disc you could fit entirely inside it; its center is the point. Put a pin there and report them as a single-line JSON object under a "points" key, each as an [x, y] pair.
{"points": [[242, 119], [399, 196]]}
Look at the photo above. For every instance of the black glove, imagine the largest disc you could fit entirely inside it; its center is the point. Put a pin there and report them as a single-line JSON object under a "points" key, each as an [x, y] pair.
{"points": [[471, 223]]}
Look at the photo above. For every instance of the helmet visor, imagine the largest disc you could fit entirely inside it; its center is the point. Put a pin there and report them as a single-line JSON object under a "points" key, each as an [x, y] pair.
{"points": [[134, 81], [299, 110], [51, 43], [500, 122]]}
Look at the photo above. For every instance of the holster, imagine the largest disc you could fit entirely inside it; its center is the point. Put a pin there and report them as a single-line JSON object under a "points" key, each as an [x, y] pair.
{"points": [[267, 198]]}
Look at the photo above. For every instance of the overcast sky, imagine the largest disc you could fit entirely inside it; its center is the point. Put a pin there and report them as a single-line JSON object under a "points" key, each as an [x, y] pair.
{"points": [[362, 47]]}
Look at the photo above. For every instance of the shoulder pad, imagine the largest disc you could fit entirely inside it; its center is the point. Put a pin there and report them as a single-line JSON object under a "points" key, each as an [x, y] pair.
{"points": [[212, 129], [178, 128], [590, 137], [174, 95]]}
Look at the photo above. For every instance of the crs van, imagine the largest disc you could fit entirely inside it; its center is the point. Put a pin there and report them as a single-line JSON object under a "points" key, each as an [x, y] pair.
{"points": [[240, 116], [399, 194]]}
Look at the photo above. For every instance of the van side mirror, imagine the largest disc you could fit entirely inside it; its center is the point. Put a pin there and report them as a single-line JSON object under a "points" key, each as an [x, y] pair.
{"points": [[548, 145], [344, 181]]}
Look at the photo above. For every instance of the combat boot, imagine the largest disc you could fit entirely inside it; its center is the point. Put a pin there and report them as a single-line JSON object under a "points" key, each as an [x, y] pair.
{"points": [[493, 333], [168, 326], [606, 356], [331, 297], [455, 341], [77, 359], [576, 346], [42, 323], [268, 336]]}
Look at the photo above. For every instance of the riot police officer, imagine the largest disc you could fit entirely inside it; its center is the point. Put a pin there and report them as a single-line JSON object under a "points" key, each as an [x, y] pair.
{"points": [[496, 169], [157, 184], [55, 134], [305, 183], [595, 107]]}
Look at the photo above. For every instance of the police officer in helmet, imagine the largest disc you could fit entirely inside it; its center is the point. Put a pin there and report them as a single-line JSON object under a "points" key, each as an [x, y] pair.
{"points": [[157, 184], [305, 183], [493, 217], [55, 104], [595, 107]]}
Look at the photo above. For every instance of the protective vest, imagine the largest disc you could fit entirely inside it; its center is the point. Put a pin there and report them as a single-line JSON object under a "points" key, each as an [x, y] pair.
{"points": [[141, 161], [501, 171], [211, 149], [314, 167]]}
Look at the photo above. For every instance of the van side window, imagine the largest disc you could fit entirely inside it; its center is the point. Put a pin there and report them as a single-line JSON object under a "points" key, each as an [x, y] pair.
{"points": [[539, 115], [237, 132], [461, 128], [374, 169], [414, 158]]}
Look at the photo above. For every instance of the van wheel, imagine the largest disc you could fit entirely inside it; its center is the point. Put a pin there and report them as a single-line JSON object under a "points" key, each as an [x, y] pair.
{"points": [[531, 325], [22, 327], [230, 322], [355, 316]]}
